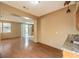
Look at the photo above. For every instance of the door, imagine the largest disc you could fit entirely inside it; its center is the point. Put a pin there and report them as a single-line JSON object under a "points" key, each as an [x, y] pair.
{"points": [[26, 30]]}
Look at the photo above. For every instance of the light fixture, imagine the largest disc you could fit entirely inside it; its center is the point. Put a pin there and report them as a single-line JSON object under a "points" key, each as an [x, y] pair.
{"points": [[68, 10], [67, 4], [26, 17], [35, 2]]}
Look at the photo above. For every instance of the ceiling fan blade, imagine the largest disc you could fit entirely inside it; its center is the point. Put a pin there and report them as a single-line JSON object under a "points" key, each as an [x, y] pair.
{"points": [[66, 3]]}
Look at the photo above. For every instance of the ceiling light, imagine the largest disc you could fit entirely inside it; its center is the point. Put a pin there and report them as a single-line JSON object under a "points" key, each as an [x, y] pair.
{"points": [[26, 17], [35, 2]]}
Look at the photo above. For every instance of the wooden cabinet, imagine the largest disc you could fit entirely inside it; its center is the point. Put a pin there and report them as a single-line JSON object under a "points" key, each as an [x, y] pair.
{"points": [[70, 55], [77, 19], [77, 16]]}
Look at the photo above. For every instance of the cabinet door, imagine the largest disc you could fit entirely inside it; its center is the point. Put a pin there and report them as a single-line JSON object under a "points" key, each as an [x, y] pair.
{"points": [[70, 55], [77, 19]]}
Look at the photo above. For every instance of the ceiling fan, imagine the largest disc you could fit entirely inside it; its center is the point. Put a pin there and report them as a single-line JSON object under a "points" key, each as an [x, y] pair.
{"points": [[67, 4]]}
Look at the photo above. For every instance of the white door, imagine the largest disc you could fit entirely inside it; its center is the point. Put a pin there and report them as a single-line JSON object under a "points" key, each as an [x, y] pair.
{"points": [[26, 30]]}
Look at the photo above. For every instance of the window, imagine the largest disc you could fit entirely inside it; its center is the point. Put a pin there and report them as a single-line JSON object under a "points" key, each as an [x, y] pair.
{"points": [[6, 27]]}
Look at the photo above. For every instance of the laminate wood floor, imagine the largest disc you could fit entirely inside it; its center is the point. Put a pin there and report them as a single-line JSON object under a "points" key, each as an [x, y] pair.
{"points": [[26, 48]]}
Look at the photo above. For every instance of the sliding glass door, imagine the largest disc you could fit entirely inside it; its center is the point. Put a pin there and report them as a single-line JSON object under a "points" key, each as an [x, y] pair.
{"points": [[27, 30]]}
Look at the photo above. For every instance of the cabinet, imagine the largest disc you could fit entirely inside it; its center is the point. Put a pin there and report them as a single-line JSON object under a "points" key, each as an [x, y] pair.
{"points": [[77, 16], [77, 19], [70, 55]]}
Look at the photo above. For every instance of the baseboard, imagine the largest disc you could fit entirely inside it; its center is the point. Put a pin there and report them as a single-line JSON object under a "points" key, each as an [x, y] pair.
{"points": [[11, 38], [48, 46]]}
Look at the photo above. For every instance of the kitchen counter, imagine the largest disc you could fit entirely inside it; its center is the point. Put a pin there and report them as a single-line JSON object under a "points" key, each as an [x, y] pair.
{"points": [[70, 46], [67, 50], [70, 54]]}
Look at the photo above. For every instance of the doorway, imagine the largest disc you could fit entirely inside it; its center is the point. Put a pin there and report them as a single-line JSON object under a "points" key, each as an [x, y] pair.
{"points": [[27, 30]]}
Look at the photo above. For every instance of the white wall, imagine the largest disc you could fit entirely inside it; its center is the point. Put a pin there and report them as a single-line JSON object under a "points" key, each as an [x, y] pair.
{"points": [[54, 28]]}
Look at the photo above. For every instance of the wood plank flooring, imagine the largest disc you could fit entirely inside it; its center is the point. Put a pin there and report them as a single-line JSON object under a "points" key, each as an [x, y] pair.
{"points": [[26, 48]]}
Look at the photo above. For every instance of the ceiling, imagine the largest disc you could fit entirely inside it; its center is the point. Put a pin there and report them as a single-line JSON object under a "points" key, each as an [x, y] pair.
{"points": [[44, 7]]}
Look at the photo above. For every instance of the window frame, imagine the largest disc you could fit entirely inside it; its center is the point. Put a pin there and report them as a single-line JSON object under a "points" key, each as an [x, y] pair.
{"points": [[10, 27]]}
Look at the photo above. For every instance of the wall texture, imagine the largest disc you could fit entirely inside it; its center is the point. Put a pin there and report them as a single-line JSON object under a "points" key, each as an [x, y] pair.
{"points": [[54, 28]]}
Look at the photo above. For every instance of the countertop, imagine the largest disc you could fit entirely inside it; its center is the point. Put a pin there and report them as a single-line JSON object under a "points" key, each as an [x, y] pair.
{"points": [[70, 46]]}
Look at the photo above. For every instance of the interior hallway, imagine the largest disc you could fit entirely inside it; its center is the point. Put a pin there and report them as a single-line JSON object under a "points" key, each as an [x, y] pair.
{"points": [[24, 47]]}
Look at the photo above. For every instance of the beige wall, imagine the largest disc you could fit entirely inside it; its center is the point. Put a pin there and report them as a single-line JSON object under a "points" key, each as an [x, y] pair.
{"points": [[54, 28], [15, 31]]}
